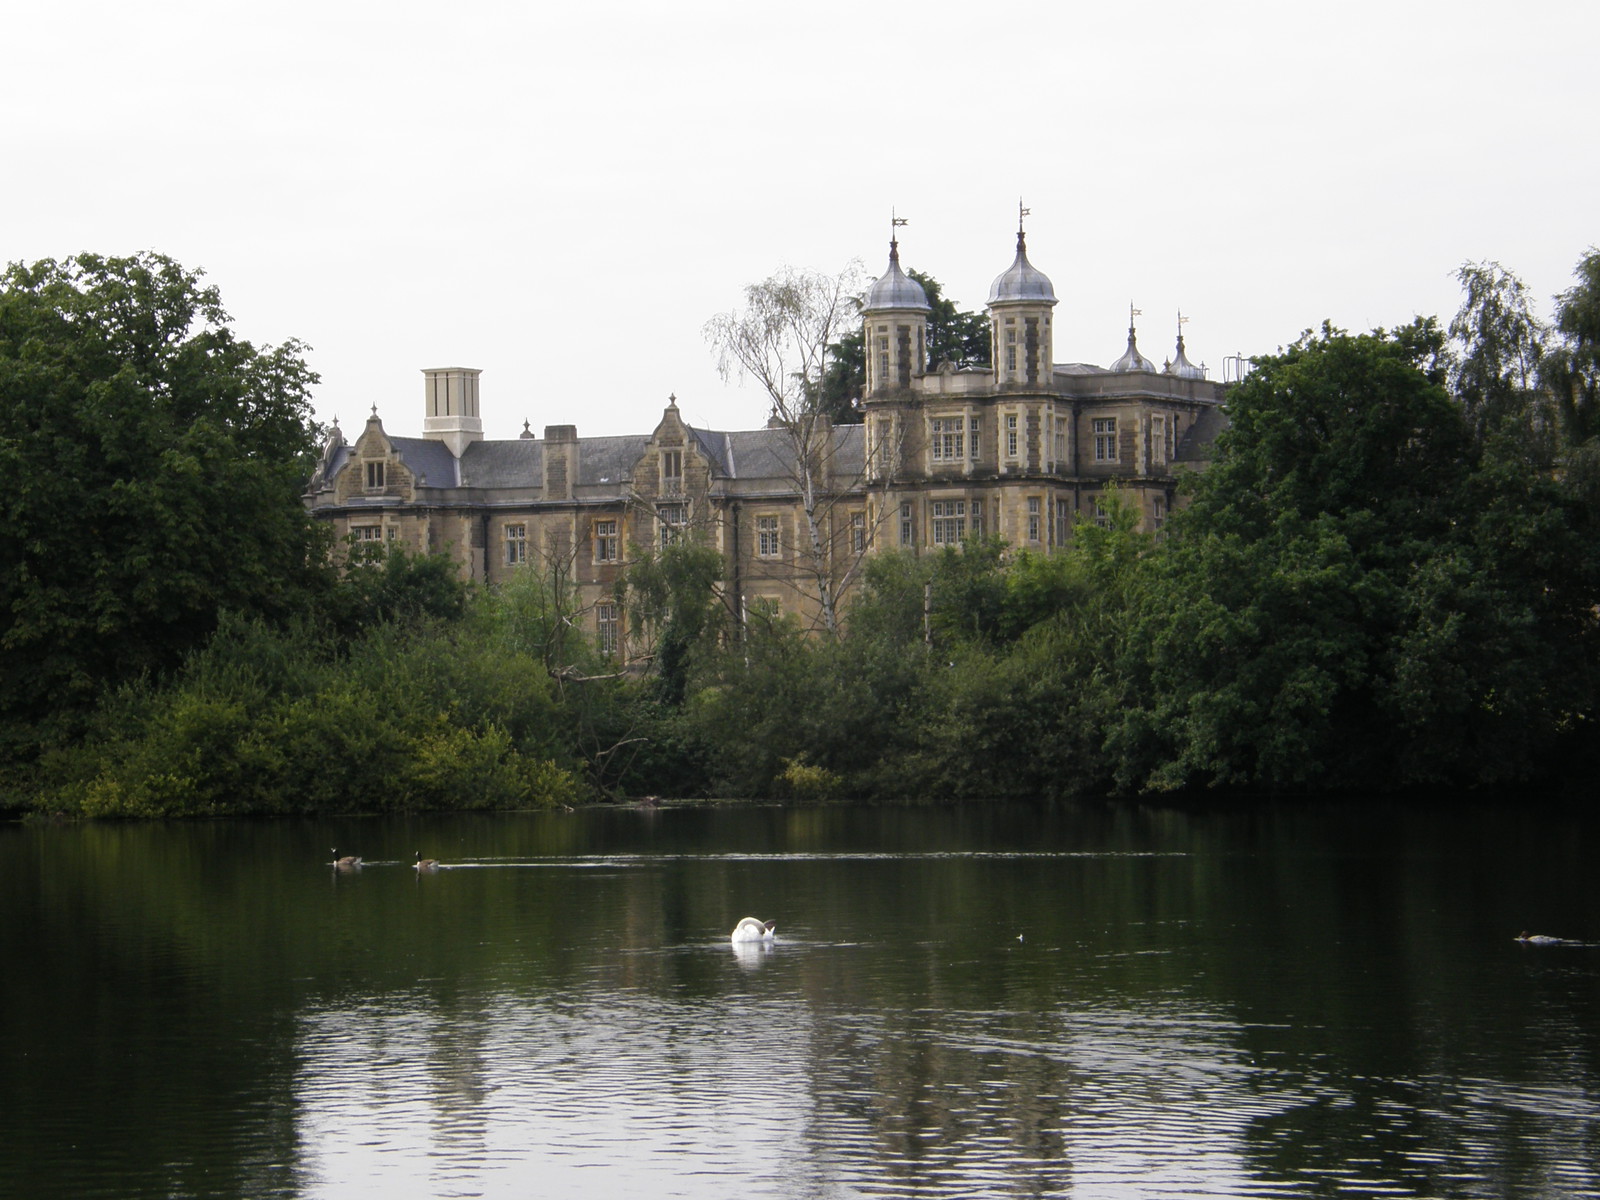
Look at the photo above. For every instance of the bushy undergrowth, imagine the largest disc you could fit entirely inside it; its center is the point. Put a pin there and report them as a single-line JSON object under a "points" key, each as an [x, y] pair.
{"points": [[285, 722]]}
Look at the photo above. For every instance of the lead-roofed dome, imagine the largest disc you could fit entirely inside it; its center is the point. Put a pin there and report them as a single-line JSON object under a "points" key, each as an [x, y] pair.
{"points": [[1131, 359], [895, 289], [1181, 366], [1022, 280]]}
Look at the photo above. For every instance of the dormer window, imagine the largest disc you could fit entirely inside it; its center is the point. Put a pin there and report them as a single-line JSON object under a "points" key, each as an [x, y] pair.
{"points": [[374, 476], [672, 472]]}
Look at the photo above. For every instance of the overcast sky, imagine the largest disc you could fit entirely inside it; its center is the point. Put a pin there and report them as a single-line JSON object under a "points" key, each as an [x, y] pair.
{"points": [[563, 195]]}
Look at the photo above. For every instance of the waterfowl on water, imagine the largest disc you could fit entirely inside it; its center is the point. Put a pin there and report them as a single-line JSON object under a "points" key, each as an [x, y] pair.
{"points": [[348, 863], [751, 930], [426, 864], [1536, 939]]}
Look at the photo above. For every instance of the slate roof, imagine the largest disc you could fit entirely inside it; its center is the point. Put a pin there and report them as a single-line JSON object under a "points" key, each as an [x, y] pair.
{"points": [[606, 461], [429, 460], [518, 463]]}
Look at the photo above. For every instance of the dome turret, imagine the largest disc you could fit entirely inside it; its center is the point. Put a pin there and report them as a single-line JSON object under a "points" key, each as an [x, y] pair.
{"points": [[1022, 281], [1019, 319], [1180, 365], [1131, 359], [894, 327], [894, 288]]}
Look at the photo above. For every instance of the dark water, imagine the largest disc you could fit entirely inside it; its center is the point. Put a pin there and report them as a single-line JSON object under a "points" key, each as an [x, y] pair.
{"points": [[961, 1002]]}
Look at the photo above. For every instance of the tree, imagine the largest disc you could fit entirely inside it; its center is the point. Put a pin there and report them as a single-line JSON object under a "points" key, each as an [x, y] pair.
{"points": [[782, 338], [1355, 599], [1572, 367], [1502, 342], [954, 336], [673, 599], [151, 463]]}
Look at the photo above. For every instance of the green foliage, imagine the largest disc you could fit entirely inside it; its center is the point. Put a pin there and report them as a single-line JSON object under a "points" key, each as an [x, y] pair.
{"points": [[845, 379], [1571, 369], [957, 337], [1355, 600], [1502, 342], [391, 584], [152, 464], [269, 721], [801, 780], [674, 596]]}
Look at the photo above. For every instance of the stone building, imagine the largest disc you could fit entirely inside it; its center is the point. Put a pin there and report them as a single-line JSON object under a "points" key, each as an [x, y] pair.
{"points": [[1021, 447]]}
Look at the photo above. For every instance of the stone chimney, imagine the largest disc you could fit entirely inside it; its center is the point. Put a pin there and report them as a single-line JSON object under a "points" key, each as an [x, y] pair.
{"points": [[560, 461], [450, 407]]}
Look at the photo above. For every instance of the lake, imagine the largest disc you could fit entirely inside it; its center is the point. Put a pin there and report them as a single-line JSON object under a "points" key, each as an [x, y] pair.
{"points": [[961, 1001]]}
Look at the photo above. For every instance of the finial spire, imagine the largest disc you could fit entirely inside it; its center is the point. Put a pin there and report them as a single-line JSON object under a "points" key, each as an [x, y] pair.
{"points": [[894, 243], [1132, 313], [1021, 213]]}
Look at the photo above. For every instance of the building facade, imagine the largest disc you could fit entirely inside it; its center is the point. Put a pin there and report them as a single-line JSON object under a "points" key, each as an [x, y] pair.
{"points": [[1022, 447]]}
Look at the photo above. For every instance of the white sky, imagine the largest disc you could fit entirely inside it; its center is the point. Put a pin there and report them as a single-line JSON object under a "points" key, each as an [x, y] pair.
{"points": [[563, 195]]}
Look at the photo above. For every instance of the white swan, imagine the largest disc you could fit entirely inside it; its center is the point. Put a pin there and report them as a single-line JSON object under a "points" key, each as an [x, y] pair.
{"points": [[1538, 939], [751, 930]]}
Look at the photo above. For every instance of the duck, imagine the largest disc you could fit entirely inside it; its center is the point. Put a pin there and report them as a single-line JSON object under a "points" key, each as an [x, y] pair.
{"points": [[348, 863], [1537, 939], [426, 864], [751, 930]]}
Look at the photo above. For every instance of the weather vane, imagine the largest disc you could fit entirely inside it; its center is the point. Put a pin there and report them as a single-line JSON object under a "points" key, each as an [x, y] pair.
{"points": [[1022, 212], [1132, 313]]}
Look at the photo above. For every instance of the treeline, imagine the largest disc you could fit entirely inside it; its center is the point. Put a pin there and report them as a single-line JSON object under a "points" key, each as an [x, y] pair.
{"points": [[1387, 580]]}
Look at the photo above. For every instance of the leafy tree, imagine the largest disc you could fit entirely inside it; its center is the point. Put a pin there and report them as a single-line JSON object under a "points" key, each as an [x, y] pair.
{"points": [[845, 379], [388, 583], [954, 336], [1572, 367], [673, 595], [152, 464], [1502, 342], [1353, 600]]}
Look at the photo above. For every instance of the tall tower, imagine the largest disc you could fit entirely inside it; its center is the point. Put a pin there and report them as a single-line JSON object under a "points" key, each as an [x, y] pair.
{"points": [[450, 407], [1020, 301], [894, 328]]}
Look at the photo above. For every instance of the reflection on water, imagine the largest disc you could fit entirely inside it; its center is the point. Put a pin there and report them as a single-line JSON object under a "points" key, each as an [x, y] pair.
{"points": [[960, 1002]]}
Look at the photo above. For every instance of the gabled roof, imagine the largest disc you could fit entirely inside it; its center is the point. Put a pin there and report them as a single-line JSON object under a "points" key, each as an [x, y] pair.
{"points": [[746, 456], [429, 460]]}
